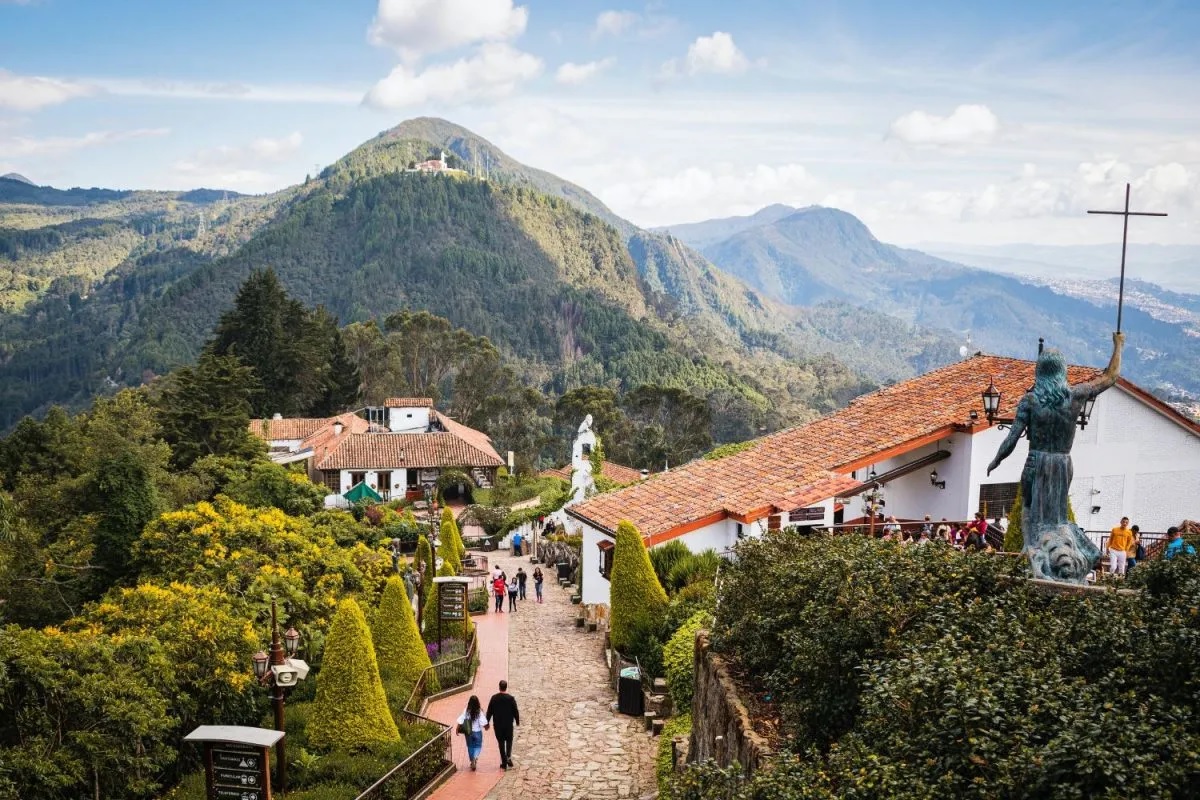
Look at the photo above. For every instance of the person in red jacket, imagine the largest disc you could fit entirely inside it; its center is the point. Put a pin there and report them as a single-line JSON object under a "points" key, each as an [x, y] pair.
{"points": [[500, 588]]}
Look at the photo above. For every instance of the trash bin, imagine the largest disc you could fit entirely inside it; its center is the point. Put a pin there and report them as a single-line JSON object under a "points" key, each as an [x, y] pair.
{"points": [[629, 692], [564, 571]]}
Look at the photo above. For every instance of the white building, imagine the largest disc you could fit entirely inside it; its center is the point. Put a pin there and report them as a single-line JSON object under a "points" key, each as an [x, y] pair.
{"points": [[396, 449], [1137, 457]]}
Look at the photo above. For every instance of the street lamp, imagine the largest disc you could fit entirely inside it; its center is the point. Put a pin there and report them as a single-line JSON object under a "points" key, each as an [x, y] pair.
{"points": [[991, 401], [279, 672]]}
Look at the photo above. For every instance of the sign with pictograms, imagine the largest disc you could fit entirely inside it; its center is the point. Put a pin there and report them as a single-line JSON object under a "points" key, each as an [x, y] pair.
{"points": [[237, 762], [452, 601]]}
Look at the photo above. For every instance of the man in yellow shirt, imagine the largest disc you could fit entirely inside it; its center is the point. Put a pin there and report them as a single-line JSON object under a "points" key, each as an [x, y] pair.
{"points": [[1120, 543]]}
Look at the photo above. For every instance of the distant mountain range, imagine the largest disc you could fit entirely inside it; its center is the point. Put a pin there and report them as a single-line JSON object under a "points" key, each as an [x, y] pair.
{"points": [[116, 287], [819, 255], [13, 176]]}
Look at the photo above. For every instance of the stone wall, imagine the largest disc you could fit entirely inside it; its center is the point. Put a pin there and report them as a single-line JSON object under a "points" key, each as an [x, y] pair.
{"points": [[721, 728]]}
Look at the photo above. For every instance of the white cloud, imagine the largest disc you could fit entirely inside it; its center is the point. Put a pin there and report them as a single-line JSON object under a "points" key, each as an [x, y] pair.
{"points": [[238, 166], [572, 74], [494, 71], [29, 147], [614, 23], [28, 93], [716, 54], [967, 124], [244, 92], [415, 28], [696, 193]]}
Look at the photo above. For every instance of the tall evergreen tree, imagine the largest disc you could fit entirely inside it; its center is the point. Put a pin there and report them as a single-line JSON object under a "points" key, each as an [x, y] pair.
{"points": [[123, 492], [274, 335], [342, 384], [205, 409]]}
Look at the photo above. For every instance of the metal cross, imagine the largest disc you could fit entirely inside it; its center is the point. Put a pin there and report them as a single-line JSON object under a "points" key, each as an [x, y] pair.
{"points": [[1124, 241]]}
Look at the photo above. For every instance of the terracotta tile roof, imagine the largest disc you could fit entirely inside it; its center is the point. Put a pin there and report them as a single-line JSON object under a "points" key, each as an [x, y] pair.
{"points": [[325, 440], [810, 463], [408, 402], [293, 428], [477, 439], [618, 473], [411, 450]]}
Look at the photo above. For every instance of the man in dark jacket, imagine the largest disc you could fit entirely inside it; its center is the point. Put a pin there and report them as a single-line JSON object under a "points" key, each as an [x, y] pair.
{"points": [[502, 714]]}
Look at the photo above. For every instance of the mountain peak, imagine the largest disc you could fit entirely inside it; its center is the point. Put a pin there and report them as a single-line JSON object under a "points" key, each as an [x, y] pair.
{"points": [[15, 176]]}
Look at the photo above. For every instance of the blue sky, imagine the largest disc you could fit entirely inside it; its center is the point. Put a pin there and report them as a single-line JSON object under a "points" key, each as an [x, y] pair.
{"points": [[933, 121]]}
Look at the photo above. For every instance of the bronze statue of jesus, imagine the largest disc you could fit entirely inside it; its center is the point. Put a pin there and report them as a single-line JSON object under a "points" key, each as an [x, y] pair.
{"points": [[1058, 549]]}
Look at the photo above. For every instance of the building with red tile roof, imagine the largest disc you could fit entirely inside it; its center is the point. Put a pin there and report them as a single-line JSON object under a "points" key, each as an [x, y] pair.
{"points": [[345, 450], [621, 475], [1134, 459]]}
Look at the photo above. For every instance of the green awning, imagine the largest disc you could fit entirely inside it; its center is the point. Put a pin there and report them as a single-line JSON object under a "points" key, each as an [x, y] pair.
{"points": [[361, 493]]}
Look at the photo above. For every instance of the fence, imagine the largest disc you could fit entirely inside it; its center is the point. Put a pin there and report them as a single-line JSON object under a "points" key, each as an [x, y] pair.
{"points": [[433, 759]]}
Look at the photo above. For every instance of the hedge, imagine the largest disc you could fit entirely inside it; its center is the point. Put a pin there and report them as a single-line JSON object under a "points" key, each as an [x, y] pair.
{"points": [[351, 708], [664, 768], [679, 660], [638, 600], [398, 646]]}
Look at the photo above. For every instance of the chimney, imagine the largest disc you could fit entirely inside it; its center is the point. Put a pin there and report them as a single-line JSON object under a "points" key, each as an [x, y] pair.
{"points": [[277, 415], [337, 427]]}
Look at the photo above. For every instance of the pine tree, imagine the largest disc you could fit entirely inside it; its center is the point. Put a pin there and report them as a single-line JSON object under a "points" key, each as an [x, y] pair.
{"points": [[638, 599], [398, 646], [351, 707], [424, 557], [274, 335], [342, 381], [205, 410], [123, 492]]}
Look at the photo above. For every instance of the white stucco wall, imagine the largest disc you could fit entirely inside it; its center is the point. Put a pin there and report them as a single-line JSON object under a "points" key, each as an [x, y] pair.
{"points": [[284, 444], [408, 420], [399, 481]]}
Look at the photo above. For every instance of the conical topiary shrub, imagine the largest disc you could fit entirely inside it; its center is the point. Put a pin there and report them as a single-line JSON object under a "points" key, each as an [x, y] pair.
{"points": [[351, 708], [450, 526], [637, 598], [425, 557], [448, 550], [398, 645]]}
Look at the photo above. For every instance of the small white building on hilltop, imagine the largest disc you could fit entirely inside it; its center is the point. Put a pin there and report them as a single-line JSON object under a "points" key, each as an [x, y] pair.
{"points": [[927, 442]]}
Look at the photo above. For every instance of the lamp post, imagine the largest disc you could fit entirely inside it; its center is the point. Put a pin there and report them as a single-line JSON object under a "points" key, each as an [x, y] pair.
{"points": [[277, 680], [873, 498]]}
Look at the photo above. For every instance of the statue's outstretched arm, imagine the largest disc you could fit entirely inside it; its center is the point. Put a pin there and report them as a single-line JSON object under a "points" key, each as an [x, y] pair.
{"points": [[1014, 435], [1107, 378]]}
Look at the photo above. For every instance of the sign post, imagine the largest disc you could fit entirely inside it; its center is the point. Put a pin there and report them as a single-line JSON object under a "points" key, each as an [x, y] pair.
{"points": [[452, 601], [237, 761]]}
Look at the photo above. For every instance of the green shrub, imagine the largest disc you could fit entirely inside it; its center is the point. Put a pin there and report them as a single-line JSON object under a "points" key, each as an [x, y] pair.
{"points": [[695, 568], [425, 556], [398, 644], [273, 486], [686, 602], [326, 791], [638, 600], [665, 556], [1014, 538], [680, 725], [351, 708], [679, 661]]}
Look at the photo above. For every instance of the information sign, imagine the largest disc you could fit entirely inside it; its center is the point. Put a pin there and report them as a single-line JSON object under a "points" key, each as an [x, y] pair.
{"points": [[452, 601]]}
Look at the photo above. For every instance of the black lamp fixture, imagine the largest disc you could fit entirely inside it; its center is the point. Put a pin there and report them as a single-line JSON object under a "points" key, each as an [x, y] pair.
{"points": [[1085, 413], [933, 479], [991, 401]]}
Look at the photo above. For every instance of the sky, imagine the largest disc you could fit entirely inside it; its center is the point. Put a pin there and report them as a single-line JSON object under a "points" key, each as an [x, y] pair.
{"points": [[962, 122]]}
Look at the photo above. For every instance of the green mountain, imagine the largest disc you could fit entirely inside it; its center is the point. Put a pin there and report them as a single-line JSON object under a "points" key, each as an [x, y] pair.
{"points": [[821, 255], [712, 231], [569, 293]]}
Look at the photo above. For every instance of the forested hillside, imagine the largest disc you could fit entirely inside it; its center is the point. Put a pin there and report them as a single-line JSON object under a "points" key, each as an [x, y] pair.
{"points": [[527, 260]]}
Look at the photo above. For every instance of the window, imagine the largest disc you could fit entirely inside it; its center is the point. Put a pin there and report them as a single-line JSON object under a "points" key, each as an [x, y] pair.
{"points": [[385, 485], [996, 498], [333, 480], [606, 557], [587, 449], [356, 478]]}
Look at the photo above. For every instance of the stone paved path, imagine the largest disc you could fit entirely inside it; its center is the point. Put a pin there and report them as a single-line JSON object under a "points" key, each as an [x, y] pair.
{"points": [[570, 745]]}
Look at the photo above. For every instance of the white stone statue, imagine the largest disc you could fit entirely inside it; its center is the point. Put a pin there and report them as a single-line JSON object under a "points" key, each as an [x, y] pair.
{"points": [[583, 485], [586, 425]]}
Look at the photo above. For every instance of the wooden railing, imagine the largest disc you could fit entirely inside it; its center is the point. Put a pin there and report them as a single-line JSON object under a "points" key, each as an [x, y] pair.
{"points": [[433, 759]]}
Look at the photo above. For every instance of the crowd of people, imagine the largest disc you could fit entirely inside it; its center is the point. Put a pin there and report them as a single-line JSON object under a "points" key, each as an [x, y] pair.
{"points": [[972, 535], [514, 588]]}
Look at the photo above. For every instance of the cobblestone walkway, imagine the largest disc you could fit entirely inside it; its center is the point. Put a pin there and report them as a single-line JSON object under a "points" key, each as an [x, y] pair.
{"points": [[570, 745]]}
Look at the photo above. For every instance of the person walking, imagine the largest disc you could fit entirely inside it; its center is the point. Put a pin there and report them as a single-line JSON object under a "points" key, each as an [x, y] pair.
{"points": [[1120, 543], [513, 587], [538, 578], [498, 588], [471, 724], [522, 577], [502, 714], [1139, 550], [516, 543]]}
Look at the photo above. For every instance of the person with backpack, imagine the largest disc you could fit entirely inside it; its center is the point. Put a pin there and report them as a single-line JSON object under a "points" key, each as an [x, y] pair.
{"points": [[1139, 549], [471, 724]]}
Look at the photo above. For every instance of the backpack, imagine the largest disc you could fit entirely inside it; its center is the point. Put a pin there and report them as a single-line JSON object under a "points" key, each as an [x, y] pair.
{"points": [[1140, 553]]}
